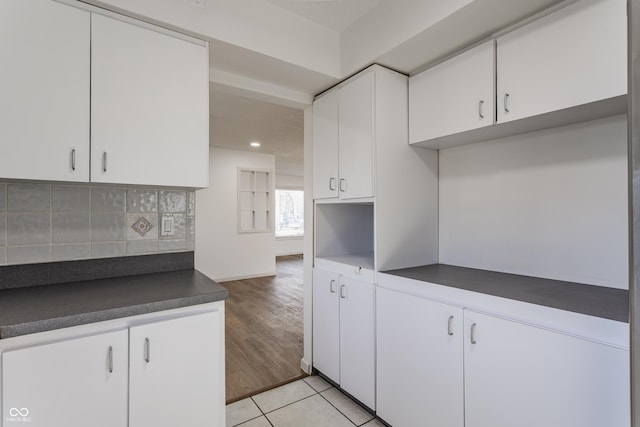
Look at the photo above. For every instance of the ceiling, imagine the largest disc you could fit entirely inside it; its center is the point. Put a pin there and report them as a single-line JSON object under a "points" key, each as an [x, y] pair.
{"points": [[335, 14], [236, 120], [260, 96]]}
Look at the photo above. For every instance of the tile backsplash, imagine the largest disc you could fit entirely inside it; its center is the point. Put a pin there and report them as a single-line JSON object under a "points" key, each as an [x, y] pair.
{"points": [[59, 222]]}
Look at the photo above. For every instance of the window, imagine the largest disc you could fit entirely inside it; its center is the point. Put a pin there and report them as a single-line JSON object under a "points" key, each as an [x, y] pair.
{"points": [[289, 213]]}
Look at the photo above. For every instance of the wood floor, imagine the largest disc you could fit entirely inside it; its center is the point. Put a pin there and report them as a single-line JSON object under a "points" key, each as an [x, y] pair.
{"points": [[264, 330]]}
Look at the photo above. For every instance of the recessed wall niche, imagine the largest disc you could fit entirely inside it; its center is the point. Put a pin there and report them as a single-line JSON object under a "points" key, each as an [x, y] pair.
{"points": [[255, 200]]}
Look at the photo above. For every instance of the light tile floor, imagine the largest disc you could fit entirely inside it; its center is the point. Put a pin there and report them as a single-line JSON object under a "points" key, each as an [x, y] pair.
{"points": [[309, 402]]}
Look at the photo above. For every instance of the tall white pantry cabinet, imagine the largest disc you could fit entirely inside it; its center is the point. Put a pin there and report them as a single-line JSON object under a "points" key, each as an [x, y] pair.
{"points": [[364, 171]]}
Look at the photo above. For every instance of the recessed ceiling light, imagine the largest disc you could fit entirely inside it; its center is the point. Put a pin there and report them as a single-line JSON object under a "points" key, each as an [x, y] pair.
{"points": [[255, 144]]}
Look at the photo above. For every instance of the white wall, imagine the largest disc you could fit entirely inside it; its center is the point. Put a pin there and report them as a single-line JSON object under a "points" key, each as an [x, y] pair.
{"points": [[378, 31], [290, 182], [549, 204], [307, 360], [221, 252], [289, 245], [251, 24]]}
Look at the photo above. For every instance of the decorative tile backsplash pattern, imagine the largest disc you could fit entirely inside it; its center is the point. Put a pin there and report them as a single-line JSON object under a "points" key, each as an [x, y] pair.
{"points": [[60, 222]]}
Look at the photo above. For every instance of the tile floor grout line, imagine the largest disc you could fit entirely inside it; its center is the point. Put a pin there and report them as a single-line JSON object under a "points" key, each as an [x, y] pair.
{"points": [[315, 392], [336, 408], [261, 411], [288, 404], [251, 419]]}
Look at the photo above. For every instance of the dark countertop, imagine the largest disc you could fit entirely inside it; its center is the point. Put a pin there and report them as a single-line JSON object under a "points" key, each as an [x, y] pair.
{"points": [[592, 300], [26, 310]]}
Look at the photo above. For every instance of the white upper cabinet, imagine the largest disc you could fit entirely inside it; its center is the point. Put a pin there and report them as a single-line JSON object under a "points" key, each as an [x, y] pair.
{"points": [[571, 57], [87, 98], [325, 146], [44, 82], [454, 96], [149, 106], [344, 137], [355, 150], [566, 67]]}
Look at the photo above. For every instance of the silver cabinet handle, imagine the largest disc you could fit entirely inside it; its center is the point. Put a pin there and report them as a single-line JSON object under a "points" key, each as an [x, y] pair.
{"points": [[332, 287], [110, 358], [147, 350], [473, 334], [73, 159], [506, 102], [104, 161], [332, 184], [450, 325], [480, 105], [343, 185], [343, 292]]}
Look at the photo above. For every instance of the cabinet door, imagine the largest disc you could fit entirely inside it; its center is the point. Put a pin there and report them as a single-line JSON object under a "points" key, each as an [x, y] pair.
{"points": [[72, 383], [574, 56], [519, 375], [355, 151], [419, 361], [44, 82], [325, 146], [326, 323], [175, 372], [357, 340], [149, 107], [454, 96]]}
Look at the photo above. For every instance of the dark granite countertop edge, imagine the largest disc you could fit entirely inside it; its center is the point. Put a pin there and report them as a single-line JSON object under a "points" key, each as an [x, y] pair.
{"points": [[9, 331], [598, 301]]}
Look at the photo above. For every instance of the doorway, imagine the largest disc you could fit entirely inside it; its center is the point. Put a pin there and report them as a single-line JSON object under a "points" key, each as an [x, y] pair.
{"points": [[264, 330]]}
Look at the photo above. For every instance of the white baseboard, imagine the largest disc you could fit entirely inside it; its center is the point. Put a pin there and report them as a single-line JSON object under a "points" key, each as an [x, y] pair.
{"points": [[250, 276], [305, 366]]}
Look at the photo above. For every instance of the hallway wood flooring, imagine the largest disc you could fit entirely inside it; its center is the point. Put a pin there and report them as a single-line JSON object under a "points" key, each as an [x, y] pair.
{"points": [[264, 330]]}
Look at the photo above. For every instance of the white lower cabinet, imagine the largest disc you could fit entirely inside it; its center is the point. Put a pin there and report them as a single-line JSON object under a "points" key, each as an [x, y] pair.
{"points": [[326, 323], [174, 374], [520, 375], [159, 374], [73, 383], [495, 372], [419, 361], [344, 334]]}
